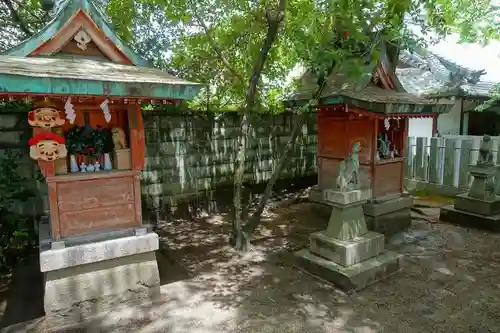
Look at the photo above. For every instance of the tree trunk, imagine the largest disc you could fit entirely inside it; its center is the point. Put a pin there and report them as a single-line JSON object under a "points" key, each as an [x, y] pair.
{"points": [[254, 220], [239, 239]]}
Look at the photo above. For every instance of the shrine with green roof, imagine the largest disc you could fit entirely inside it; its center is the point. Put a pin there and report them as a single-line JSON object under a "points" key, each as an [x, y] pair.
{"points": [[373, 110], [86, 87]]}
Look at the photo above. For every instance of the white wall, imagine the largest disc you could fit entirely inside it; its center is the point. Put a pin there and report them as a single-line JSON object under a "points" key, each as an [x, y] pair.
{"points": [[420, 127], [449, 123]]}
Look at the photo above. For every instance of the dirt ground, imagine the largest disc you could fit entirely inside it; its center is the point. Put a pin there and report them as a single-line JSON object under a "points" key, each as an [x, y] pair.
{"points": [[450, 282]]}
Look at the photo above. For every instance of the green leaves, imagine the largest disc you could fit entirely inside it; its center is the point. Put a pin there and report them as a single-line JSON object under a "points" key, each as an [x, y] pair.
{"points": [[318, 35], [216, 42], [122, 14]]}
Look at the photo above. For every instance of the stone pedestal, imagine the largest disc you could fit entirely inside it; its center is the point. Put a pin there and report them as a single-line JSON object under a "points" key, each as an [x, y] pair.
{"points": [[346, 253], [480, 207], [387, 216], [86, 280]]}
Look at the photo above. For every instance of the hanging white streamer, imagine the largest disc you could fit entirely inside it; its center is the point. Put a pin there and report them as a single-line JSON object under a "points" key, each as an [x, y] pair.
{"points": [[70, 111], [387, 124], [105, 110]]}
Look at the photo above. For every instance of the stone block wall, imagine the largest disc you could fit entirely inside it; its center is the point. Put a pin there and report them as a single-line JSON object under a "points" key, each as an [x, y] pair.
{"points": [[186, 155], [14, 135], [190, 155]]}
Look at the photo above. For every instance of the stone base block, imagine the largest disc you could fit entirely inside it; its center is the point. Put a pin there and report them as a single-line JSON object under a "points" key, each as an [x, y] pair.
{"points": [[346, 221], [337, 197], [88, 280], [482, 207], [389, 217], [354, 277], [315, 195], [386, 217], [469, 220], [350, 252], [389, 224], [382, 207]]}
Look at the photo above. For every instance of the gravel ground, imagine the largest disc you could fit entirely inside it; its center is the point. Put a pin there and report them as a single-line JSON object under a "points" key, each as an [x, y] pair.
{"points": [[449, 282]]}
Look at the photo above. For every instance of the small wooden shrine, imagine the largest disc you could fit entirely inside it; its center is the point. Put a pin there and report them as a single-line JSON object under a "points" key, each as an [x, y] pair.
{"points": [[86, 88], [374, 112], [88, 136]]}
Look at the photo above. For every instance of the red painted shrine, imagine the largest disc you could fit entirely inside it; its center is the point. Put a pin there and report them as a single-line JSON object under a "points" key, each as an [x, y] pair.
{"points": [[376, 114]]}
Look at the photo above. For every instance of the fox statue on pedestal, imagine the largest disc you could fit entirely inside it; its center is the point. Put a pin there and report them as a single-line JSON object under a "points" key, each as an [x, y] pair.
{"points": [[348, 178]]}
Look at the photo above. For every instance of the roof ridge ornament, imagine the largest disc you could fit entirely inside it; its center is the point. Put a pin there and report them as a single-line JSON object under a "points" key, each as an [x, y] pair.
{"points": [[53, 7]]}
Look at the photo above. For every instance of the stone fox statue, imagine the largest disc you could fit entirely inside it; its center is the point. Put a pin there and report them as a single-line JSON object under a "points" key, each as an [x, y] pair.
{"points": [[348, 172], [485, 155]]}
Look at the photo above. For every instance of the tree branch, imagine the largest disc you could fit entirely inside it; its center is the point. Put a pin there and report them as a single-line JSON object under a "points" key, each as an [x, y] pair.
{"points": [[274, 22], [216, 48]]}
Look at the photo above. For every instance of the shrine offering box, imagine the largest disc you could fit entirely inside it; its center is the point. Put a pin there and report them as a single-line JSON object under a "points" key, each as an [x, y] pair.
{"points": [[94, 202]]}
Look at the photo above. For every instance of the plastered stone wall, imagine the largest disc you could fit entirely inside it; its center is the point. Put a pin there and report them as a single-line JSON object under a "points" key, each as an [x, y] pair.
{"points": [[186, 155], [189, 155], [14, 135]]}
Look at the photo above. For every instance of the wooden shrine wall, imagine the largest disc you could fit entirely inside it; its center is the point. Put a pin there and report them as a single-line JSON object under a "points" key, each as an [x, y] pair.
{"points": [[328, 169], [388, 178], [336, 137], [337, 133], [101, 201]]}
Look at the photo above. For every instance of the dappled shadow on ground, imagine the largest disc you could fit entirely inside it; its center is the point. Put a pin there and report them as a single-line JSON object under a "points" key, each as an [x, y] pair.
{"points": [[449, 282], [195, 245], [21, 297]]}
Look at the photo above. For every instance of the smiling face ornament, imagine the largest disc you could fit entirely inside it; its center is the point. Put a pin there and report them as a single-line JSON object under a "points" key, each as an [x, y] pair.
{"points": [[47, 146], [45, 117]]}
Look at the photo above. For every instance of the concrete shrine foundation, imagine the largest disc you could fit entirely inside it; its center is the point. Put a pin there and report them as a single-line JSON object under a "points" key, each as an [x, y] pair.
{"points": [[346, 253], [87, 280], [388, 216]]}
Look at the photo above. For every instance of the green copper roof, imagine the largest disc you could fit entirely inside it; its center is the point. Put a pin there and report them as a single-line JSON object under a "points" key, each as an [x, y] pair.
{"points": [[48, 75], [21, 74], [62, 17], [343, 87]]}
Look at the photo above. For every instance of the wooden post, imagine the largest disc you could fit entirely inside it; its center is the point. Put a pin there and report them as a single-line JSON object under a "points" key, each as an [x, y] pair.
{"points": [[137, 139], [402, 153], [55, 225], [137, 147], [373, 160]]}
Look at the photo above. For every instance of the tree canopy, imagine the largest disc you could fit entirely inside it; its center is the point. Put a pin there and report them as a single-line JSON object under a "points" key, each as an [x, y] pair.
{"points": [[216, 41], [219, 48]]}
